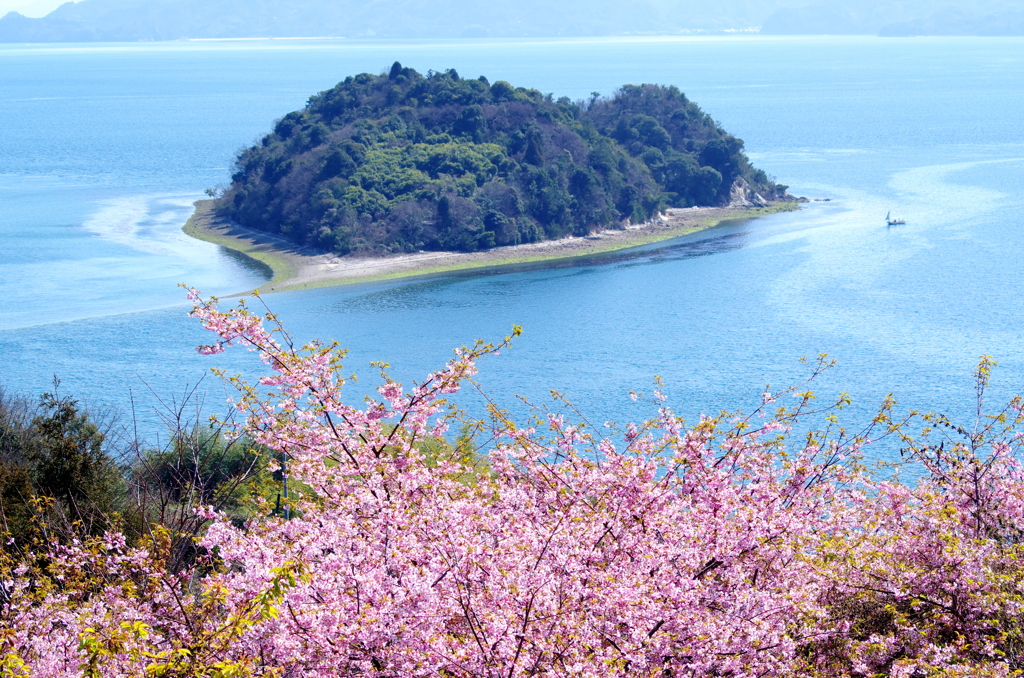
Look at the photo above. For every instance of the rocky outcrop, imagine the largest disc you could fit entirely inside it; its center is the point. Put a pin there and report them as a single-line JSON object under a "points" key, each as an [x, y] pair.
{"points": [[742, 195]]}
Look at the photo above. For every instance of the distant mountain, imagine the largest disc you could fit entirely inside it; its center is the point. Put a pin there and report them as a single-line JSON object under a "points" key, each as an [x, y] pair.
{"points": [[898, 18], [951, 20], [821, 19], [143, 20], [133, 20], [36, 8]]}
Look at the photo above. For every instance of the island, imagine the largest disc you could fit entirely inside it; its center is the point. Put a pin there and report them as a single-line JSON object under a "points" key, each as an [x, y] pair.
{"points": [[403, 174]]}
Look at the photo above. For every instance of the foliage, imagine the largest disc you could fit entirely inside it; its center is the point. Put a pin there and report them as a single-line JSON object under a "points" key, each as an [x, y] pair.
{"points": [[55, 475], [69, 464], [16, 491], [403, 162], [59, 479], [201, 466]]}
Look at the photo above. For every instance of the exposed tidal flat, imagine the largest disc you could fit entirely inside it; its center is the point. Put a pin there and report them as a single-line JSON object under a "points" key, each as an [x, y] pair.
{"points": [[107, 147], [294, 268]]}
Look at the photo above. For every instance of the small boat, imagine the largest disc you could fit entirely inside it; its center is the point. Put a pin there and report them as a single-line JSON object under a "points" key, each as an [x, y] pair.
{"points": [[893, 222]]}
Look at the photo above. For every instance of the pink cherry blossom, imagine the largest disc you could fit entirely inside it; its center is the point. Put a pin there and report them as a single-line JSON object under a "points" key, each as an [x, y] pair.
{"points": [[732, 548]]}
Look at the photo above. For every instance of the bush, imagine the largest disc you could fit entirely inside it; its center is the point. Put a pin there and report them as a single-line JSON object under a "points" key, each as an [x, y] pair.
{"points": [[56, 477], [201, 466]]}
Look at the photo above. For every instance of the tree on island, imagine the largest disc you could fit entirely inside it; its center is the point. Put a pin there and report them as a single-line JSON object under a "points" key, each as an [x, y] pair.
{"points": [[400, 162]]}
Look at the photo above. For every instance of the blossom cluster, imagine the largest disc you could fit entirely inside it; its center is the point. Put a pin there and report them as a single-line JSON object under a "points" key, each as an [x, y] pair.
{"points": [[730, 548]]}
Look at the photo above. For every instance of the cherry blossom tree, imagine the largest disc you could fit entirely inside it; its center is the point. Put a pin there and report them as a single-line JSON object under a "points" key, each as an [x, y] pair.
{"points": [[735, 547]]}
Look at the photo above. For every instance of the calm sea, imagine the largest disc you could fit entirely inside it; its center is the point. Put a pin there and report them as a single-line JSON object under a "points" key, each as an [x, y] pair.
{"points": [[104, 147]]}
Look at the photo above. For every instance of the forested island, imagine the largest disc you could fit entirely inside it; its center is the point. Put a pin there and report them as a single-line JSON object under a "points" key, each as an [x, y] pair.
{"points": [[404, 162]]}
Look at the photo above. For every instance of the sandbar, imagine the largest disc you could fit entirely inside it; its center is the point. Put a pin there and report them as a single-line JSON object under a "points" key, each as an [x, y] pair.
{"points": [[294, 267]]}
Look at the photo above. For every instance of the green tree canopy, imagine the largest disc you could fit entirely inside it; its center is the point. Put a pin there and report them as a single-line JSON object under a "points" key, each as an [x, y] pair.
{"points": [[69, 464], [403, 162]]}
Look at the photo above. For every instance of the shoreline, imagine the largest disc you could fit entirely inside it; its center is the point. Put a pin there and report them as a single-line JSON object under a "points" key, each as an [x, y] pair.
{"points": [[293, 267]]}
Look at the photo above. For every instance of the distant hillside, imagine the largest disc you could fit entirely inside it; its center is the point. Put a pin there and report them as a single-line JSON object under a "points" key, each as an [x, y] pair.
{"points": [[403, 162], [896, 18], [144, 20], [950, 20], [122, 20]]}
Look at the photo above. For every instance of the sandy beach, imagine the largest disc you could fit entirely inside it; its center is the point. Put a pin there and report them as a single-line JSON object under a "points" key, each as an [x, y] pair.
{"points": [[294, 267]]}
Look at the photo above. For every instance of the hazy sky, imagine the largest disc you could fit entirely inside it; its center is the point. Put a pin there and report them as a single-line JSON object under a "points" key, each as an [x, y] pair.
{"points": [[33, 8], [38, 8]]}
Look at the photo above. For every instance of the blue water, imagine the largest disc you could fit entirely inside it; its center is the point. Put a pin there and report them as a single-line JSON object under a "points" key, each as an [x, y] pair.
{"points": [[103, 149]]}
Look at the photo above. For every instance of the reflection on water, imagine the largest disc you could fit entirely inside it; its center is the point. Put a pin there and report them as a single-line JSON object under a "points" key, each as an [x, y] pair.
{"points": [[425, 293], [254, 266], [688, 247]]}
